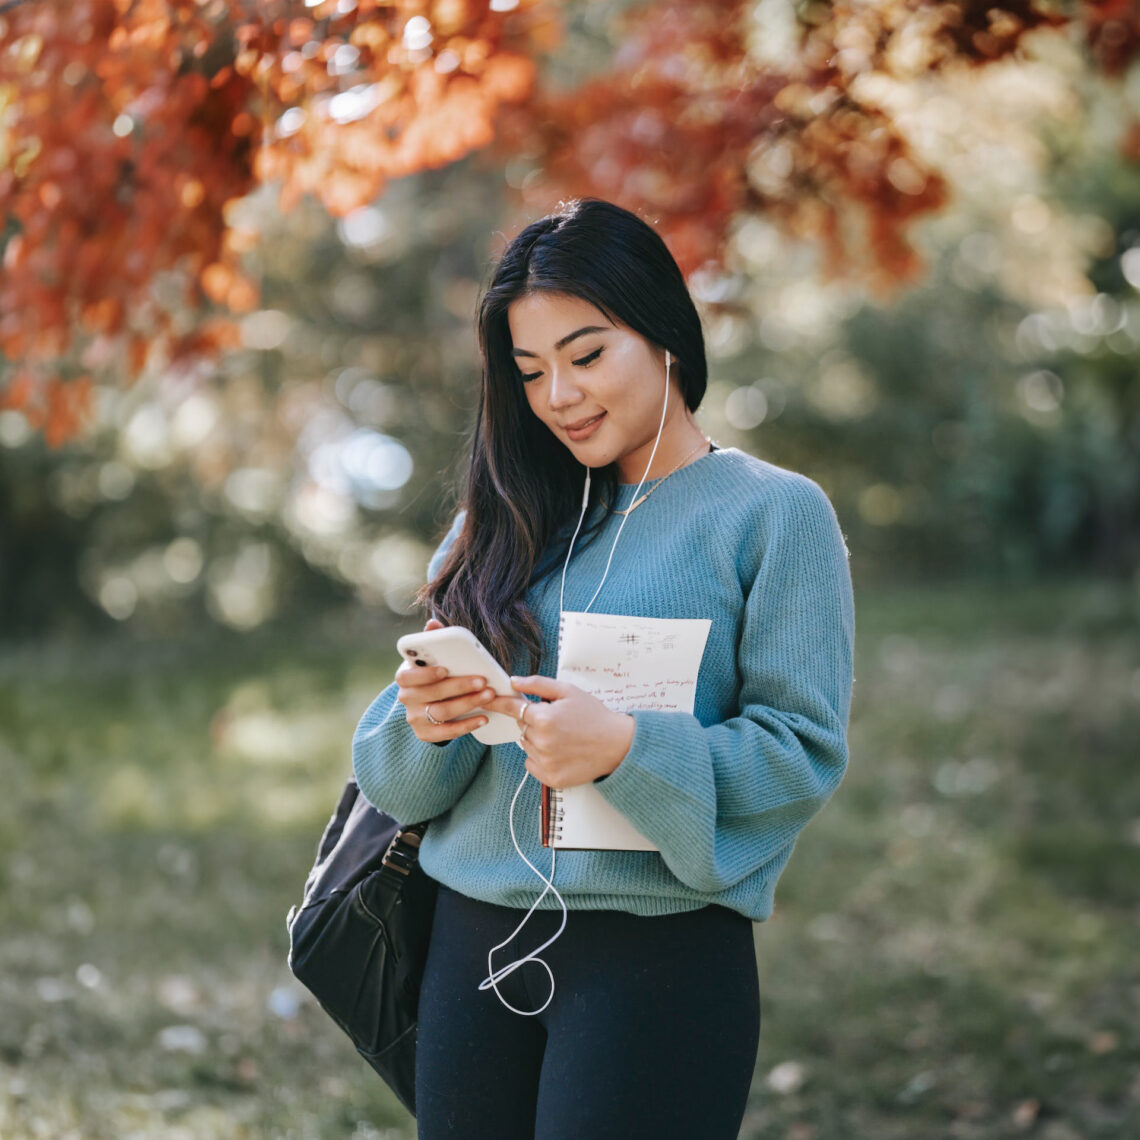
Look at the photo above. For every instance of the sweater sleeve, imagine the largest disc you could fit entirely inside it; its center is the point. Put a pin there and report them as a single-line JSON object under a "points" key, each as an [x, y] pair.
{"points": [[396, 771], [721, 801]]}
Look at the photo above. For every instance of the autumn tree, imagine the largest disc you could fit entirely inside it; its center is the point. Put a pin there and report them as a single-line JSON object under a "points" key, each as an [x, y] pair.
{"points": [[130, 130]]}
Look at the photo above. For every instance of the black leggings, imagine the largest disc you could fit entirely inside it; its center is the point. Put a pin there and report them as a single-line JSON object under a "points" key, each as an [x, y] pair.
{"points": [[652, 1032]]}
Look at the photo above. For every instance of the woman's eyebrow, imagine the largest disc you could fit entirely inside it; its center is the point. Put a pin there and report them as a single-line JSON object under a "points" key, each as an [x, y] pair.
{"points": [[564, 341]]}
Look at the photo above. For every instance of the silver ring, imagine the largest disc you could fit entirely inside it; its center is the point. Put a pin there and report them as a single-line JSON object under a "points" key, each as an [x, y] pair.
{"points": [[522, 733], [521, 718], [427, 713]]}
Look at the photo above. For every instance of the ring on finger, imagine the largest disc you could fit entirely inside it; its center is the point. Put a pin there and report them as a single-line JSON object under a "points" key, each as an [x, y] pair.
{"points": [[521, 716], [431, 719]]}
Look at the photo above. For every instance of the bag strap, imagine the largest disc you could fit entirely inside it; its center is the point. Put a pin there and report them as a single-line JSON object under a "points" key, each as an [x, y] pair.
{"points": [[404, 851]]}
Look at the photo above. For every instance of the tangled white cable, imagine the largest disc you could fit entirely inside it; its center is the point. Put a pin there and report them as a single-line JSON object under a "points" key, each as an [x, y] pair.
{"points": [[495, 976]]}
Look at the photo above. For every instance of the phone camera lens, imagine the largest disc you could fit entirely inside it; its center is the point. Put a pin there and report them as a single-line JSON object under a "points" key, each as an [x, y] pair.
{"points": [[419, 662]]}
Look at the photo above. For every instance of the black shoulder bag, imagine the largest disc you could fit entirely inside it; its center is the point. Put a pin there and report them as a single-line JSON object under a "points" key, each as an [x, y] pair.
{"points": [[359, 939]]}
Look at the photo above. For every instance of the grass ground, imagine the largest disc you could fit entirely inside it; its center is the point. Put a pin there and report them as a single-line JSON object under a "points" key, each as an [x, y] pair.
{"points": [[955, 950]]}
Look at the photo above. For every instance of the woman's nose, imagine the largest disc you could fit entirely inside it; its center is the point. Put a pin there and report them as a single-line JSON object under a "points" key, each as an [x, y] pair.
{"points": [[563, 392]]}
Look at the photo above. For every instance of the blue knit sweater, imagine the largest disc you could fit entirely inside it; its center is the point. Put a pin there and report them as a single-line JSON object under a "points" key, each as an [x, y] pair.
{"points": [[723, 792]]}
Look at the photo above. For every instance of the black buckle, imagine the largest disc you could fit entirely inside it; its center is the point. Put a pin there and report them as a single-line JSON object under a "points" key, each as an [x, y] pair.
{"points": [[404, 850]]}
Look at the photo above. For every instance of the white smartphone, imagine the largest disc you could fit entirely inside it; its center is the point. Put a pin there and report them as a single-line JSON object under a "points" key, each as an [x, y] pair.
{"points": [[462, 654]]}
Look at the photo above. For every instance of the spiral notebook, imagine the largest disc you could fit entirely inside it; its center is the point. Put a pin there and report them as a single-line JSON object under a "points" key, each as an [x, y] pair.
{"points": [[627, 663], [580, 818]]}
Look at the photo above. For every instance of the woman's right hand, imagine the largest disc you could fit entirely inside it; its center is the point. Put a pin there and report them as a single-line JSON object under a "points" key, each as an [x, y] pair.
{"points": [[449, 697]]}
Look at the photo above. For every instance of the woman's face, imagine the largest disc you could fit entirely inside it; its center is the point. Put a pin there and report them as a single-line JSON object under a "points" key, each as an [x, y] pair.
{"points": [[597, 386]]}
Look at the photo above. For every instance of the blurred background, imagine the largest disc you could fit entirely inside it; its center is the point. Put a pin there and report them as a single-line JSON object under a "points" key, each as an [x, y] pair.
{"points": [[241, 251]]}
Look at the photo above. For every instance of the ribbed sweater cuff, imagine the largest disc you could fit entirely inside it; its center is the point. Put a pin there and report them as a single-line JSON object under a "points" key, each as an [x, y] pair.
{"points": [[651, 786]]}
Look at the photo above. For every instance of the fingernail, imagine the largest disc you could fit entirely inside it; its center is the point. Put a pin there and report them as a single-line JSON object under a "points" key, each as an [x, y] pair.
{"points": [[487, 694], [440, 671]]}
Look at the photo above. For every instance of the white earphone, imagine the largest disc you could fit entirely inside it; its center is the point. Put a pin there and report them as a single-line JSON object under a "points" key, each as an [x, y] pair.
{"points": [[495, 976]]}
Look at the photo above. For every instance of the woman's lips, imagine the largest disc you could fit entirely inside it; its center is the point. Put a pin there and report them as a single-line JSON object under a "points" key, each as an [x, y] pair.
{"points": [[586, 428]]}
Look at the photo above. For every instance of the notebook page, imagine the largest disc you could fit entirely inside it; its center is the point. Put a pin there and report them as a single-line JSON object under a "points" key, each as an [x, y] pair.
{"points": [[627, 663]]}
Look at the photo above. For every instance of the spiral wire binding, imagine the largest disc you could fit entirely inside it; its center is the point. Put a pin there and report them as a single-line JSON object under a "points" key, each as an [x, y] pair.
{"points": [[557, 812]]}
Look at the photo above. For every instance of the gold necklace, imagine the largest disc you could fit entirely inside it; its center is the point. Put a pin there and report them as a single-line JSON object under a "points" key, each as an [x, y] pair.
{"points": [[637, 503]]}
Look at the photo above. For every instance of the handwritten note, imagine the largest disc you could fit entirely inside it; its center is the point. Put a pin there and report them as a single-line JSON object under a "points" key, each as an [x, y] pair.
{"points": [[633, 662], [627, 663]]}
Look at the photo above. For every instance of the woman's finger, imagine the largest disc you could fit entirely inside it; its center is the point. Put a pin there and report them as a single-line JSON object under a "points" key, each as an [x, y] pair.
{"points": [[509, 706], [448, 719], [449, 710], [409, 675], [438, 690], [546, 687], [445, 730]]}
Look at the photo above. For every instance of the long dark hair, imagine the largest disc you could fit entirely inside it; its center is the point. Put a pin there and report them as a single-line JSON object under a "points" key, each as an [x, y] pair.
{"points": [[523, 488]]}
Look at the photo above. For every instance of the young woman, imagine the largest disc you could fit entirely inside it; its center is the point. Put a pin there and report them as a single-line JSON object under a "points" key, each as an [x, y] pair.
{"points": [[642, 1017]]}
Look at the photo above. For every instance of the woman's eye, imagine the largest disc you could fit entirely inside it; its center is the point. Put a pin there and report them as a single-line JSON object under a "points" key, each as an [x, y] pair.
{"points": [[527, 377]]}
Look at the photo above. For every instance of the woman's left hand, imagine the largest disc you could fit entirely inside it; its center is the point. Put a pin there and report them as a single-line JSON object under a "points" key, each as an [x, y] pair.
{"points": [[569, 737]]}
